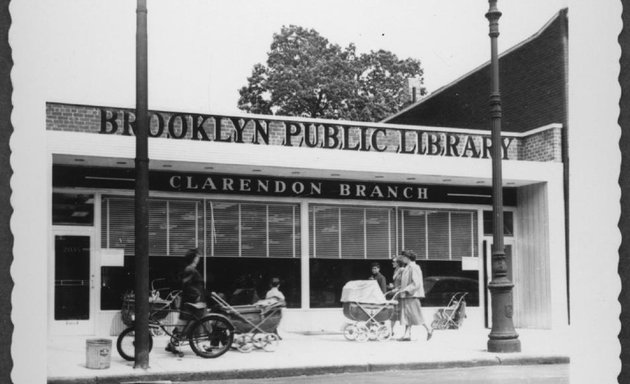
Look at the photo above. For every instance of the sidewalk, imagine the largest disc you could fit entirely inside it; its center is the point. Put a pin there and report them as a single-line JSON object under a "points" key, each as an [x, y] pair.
{"points": [[300, 354]]}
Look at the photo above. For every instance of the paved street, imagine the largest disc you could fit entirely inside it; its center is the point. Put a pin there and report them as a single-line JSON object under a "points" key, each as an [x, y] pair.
{"points": [[514, 374]]}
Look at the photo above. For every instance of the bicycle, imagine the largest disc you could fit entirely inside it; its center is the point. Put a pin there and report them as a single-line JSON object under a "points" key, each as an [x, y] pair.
{"points": [[209, 336]]}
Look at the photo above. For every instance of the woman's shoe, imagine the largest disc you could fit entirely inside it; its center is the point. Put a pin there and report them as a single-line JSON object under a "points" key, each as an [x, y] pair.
{"points": [[429, 335]]}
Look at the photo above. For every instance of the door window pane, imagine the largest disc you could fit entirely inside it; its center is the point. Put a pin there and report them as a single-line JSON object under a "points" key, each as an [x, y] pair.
{"points": [[73, 209], [508, 223], [72, 278]]}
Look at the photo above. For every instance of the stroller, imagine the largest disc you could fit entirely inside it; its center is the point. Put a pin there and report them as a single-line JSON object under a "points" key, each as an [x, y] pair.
{"points": [[452, 316], [255, 325], [365, 304]]}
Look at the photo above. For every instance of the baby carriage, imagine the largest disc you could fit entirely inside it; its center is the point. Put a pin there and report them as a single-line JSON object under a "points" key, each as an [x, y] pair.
{"points": [[255, 325], [452, 316], [365, 304]]}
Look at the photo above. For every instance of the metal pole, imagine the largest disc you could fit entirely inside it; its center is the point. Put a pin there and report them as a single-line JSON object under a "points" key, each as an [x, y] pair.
{"points": [[142, 194], [502, 337]]}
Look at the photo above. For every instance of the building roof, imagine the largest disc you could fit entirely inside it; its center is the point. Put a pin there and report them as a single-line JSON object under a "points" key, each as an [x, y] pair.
{"points": [[533, 82]]}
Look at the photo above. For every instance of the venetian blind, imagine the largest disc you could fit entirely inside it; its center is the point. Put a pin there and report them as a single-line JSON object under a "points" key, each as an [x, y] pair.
{"points": [[448, 235], [379, 235], [223, 222], [157, 228], [254, 230], [462, 235], [352, 233], [119, 230], [324, 232], [183, 223], [438, 232], [413, 231], [284, 230]]}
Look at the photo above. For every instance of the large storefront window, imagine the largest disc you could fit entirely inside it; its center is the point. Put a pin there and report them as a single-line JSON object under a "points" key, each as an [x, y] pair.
{"points": [[351, 232], [245, 246], [252, 230], [346, 240]]}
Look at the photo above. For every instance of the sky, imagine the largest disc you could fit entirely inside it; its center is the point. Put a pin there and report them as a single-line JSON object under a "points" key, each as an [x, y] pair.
{"points": [[201, 52]]}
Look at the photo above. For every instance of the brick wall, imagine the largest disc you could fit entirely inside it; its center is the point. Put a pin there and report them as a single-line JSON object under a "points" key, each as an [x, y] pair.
{"points": [[532, 82]]}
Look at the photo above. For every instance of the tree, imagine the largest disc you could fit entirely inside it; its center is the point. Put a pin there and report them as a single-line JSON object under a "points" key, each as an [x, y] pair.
{"points": [[306, 75]]}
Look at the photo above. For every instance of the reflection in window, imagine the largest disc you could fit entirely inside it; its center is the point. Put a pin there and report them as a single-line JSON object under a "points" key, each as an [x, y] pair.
{"points": [[442, 279], [242, 280]]}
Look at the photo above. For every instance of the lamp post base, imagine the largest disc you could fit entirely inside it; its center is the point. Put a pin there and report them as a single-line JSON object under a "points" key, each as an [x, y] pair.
{"points": [[504, 345]]}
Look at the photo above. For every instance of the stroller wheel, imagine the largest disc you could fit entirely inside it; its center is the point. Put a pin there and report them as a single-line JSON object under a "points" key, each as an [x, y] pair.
{"points": [[350, 332], [259, 340], [246, 348], [383, 333], [363, 333], [373, 331], [271, 343]]}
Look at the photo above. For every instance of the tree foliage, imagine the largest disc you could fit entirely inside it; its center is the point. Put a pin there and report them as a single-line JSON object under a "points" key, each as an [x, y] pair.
{"points": [[306, 75]]}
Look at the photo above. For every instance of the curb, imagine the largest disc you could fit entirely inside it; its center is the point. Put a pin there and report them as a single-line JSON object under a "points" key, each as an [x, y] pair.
{"points": [[308, 371]]}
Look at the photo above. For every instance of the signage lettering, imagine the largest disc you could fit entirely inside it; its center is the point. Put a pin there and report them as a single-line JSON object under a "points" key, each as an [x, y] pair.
{"points": [[264, 185], [348, 137]]}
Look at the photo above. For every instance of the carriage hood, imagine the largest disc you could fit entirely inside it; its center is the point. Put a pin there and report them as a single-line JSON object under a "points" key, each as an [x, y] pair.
{"points": [[362, 291]]}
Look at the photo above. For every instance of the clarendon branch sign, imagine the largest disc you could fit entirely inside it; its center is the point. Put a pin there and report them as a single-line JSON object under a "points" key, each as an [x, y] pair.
{"points": [[315, 134], [104, 178]]}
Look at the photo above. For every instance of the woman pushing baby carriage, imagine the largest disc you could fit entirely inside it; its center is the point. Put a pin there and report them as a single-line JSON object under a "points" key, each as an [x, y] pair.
{"points": [[409, 295]]}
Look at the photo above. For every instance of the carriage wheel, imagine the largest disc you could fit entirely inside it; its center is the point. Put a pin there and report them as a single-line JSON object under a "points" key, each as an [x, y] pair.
{"points": [[211, 336], [373, 331], [271, 343], [246, 347], [350, 332], [259, 340], [362, 333], [383, 333]]}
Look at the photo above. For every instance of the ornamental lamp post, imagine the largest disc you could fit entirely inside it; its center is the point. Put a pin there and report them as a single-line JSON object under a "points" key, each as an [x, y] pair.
{"points": [[142, 337], [502, 337]]}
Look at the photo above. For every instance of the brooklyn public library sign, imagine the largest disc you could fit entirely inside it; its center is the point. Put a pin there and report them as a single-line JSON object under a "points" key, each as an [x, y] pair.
{"points": [[293, 133]]}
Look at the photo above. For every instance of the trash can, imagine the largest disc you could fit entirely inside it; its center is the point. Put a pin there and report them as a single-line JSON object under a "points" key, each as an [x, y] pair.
{"points": [[98, 353]]}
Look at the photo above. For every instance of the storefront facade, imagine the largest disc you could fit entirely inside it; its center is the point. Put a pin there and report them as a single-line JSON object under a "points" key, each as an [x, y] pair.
{"points": [[313, 202]]}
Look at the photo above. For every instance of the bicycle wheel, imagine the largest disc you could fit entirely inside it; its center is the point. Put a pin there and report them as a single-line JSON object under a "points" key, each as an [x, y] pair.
{"points": [[126, 344], [211, 336]]}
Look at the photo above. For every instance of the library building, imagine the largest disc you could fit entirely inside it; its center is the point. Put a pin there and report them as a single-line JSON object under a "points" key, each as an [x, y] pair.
{"points": [[316, 202]]}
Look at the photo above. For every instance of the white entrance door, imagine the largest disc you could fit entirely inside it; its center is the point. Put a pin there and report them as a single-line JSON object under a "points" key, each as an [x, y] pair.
{"points": [[72, 292], [487, 254]]}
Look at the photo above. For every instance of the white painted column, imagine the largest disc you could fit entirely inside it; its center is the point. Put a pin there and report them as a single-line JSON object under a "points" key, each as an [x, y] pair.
{"points": [[304, 256]]}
